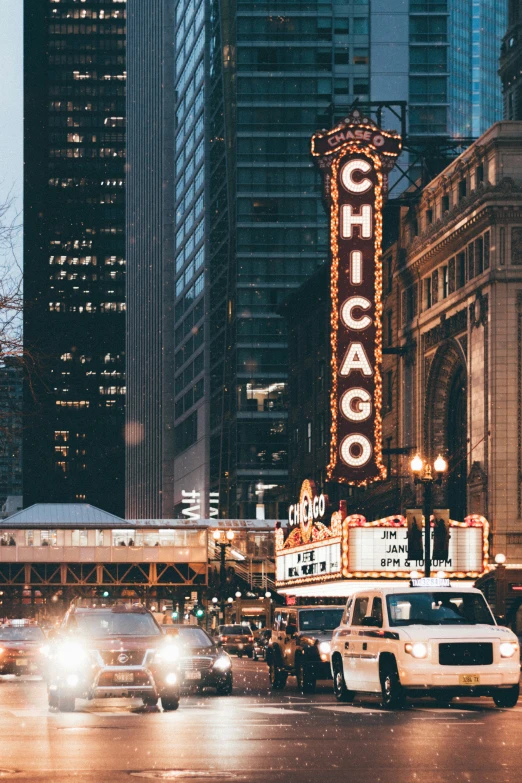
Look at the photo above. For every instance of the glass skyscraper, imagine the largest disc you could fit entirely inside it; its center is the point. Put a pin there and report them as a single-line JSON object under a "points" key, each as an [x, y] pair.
{"points": [[74, 256], [236, 188]]}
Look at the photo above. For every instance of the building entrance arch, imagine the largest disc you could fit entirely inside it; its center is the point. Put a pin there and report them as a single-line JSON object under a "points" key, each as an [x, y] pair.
{"points": [[445, 423]]}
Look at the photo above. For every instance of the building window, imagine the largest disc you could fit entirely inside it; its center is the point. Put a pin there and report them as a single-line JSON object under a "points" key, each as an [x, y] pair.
{"points": [[444, 282], [444, 203], [427, 292], [388, 390], [186, 433], [435, 286], [309, 437], [479, 256], [462, 189], [48, 537], [461, 270], [471, 260], [79, 538], [389, 274], [389, 328], [429, 217], [486, 250], [479, 174], [451, 276], [29, 537]]}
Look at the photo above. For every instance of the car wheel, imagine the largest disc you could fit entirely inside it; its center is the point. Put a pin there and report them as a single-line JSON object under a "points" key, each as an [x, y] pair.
{"points": [[150, 701], [306, 682], [255, 656], [240, 655], [66, 702], [391, 688], [277, 678], [340, 690], [169, 703], [507, 697]]}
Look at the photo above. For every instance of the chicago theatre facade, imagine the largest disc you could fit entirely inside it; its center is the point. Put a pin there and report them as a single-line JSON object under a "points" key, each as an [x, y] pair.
{"points": [[452, 348], [452, 321]]}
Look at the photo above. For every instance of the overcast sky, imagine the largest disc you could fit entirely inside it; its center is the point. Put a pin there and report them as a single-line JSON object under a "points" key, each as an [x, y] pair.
{"points": [[11, 94]]}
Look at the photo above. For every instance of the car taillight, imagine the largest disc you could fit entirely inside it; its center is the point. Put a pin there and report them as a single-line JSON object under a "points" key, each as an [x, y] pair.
{"points": [[224, 638], [250, 638]]}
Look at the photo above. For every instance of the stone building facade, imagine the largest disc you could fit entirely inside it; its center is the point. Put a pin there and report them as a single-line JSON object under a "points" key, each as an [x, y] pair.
{"points": [[452, 346], [452, 376]]}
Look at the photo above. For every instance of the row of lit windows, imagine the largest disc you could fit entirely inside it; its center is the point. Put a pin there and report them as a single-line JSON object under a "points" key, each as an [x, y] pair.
{"points": [[86, 29], [86, 59], [112, 390], [83, 182], [89, 307], [445, 280], [74, 106], [134, 538], [87, 13], [82, 152], [73, 403], [86, 260], [95, 90]]}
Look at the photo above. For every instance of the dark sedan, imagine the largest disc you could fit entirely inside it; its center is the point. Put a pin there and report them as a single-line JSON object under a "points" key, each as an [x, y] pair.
{"points": [[237, 639], [204, 664]]}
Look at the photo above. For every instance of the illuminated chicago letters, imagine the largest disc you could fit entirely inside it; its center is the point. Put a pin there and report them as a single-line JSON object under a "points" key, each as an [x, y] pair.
{"points": [[355, 158]]}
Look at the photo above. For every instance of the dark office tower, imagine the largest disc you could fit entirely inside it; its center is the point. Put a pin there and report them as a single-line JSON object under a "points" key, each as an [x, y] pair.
{"points": [[10, 427], [511, 63], [74, 254], [150, 275]]}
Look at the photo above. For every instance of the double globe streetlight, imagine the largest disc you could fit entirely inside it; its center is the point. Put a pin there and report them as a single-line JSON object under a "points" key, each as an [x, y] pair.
{"points": [[223, 542], [422, 472]]}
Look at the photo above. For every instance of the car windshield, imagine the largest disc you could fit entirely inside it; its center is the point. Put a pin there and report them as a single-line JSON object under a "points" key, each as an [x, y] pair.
{"points": [[438, 609], [193, 637], [236, 630], [22, 634], [101, 624], [320, 619]]}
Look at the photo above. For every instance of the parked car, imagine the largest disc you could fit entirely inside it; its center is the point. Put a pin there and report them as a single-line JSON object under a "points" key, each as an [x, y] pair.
{"points": [[300, 645], [429, 640], [237, 639], [117, 651], [203, 662], [23, 645]]}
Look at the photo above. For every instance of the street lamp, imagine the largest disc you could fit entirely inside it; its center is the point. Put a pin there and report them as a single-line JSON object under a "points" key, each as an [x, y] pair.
{"points": [[423, 475], [222, 542]]}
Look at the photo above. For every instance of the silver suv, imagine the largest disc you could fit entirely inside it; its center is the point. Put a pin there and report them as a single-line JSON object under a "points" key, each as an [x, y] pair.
{"points": [[300, 645]]}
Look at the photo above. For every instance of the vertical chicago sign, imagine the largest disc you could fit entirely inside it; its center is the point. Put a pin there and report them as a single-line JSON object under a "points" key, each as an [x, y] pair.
{"points": [[355, 158]]}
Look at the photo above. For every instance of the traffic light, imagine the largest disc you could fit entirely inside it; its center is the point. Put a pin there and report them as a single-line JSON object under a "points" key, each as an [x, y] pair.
{"points": [[175, 614], [198, 611], [105, 594]]}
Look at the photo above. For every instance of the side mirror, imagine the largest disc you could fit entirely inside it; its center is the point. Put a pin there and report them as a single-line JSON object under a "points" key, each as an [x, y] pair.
{"points": [[219, 643]]}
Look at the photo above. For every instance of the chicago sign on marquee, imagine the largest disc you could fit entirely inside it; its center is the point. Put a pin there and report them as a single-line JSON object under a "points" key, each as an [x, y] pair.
{"points": [[355, 158]]}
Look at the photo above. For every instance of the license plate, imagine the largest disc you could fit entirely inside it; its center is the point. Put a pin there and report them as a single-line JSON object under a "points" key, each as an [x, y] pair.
{"points": [[469, 679], [193, 675], [124, 677], [21, 662]]}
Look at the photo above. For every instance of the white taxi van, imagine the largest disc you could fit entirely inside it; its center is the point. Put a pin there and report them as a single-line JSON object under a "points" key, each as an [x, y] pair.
{"points": [[428, 639]]}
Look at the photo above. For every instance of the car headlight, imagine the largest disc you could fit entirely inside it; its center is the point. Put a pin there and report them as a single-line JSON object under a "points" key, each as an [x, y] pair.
{"points": [[70, 654], [1, 650], [417, 650], [45, 650], [324, 647], [222, 664], [508, 649], [168, 653]]}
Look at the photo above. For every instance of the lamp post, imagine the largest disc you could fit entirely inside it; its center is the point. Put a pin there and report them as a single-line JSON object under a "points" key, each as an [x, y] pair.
{"points": [[422, 472], [222, 541]]}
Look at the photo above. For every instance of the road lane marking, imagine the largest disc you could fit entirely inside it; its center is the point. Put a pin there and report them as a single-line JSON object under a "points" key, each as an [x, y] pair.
{"points": [[349, 708], [275, 710]]}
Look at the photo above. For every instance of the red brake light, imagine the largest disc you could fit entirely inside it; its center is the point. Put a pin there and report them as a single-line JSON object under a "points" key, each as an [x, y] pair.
{"points": [[224, 638], [250, 638]]}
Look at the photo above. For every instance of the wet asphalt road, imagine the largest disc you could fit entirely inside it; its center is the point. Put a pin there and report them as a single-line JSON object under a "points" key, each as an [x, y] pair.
{"points": [[256, 736]]}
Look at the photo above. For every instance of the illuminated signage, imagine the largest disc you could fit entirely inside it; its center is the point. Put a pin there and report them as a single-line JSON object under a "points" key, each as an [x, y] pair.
{"points": [[355, 158], [311, 561], [311, 507], [386, 550], [350, 547]]}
